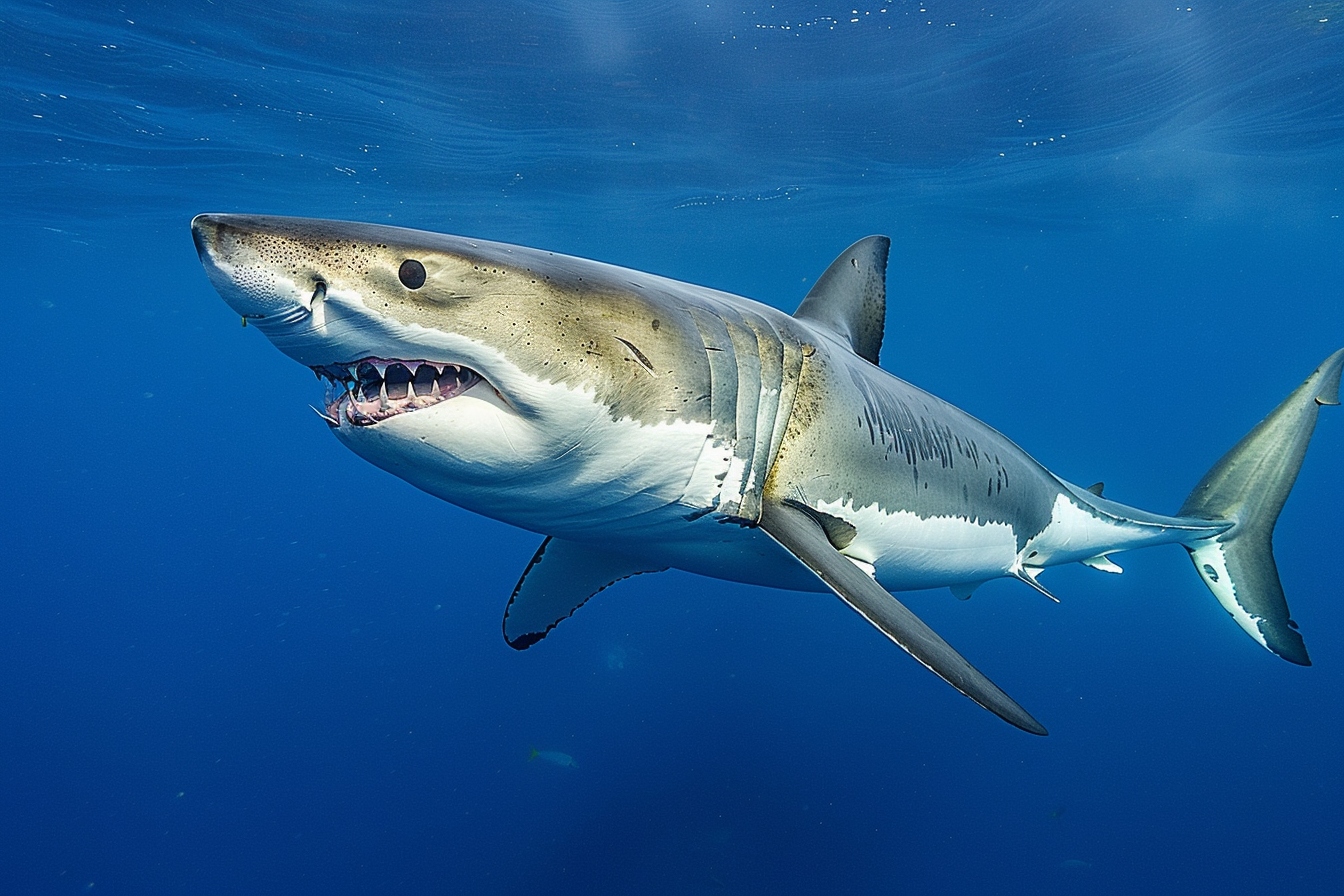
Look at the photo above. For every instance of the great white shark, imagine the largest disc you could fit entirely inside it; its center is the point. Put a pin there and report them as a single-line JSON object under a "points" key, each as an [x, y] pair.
{"points": [[641, 423]]}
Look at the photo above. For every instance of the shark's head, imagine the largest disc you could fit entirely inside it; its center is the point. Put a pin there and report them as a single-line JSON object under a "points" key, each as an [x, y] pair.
{"points": [[468, 368]]}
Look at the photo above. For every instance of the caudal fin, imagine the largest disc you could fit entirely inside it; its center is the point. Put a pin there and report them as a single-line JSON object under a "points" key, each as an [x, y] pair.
{"points": [[1247, 488]]}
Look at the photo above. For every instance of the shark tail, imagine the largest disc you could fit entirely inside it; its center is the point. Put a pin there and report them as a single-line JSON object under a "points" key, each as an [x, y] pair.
{"points": [[1247, 488]]}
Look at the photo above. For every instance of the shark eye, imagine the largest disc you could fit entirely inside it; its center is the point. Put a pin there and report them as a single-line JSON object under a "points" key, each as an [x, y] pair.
{"points": [[411, 274]]}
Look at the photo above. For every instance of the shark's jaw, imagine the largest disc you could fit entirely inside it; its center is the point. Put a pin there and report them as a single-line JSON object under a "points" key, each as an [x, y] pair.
{"points": [[370, 390]]}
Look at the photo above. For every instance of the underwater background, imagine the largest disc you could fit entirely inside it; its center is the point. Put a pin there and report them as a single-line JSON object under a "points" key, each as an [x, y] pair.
{"points": [[235, 658]]}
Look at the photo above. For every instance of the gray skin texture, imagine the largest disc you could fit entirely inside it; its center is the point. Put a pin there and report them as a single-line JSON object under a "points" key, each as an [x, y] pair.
{"points": [[862, 436]]}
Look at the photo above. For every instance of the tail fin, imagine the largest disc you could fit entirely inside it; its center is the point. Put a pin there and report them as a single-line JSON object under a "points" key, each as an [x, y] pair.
{"points": [[1248, 487]]}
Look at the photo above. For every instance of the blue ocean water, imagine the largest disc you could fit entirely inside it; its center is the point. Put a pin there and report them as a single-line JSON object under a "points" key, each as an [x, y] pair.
{"points": [[235, 658]]}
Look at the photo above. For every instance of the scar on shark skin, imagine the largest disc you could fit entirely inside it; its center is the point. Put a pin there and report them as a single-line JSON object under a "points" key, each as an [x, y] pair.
{"points": [[639, 355]]}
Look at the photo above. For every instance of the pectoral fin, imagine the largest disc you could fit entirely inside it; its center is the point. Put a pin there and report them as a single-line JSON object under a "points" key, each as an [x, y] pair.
{"points": [[559, 580], [803, 537]]}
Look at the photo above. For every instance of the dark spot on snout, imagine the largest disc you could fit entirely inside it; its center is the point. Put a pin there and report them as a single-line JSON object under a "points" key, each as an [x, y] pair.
{"points": [[411, 274]]}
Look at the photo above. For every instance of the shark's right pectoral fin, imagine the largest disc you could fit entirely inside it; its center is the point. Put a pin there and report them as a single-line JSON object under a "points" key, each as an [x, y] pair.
{"points": [[801, 535], [559, 580]]}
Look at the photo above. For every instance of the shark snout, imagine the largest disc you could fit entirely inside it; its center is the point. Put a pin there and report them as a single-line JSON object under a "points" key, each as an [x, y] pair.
{"points": [[247, 265], [217, 239], [203, 229]]}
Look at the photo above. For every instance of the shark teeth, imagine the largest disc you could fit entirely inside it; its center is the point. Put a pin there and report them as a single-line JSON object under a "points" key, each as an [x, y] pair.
{"points": [[371, 390]]}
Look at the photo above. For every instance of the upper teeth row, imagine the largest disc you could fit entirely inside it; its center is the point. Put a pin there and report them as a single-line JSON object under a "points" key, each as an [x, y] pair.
{"points": [[350, 373]]}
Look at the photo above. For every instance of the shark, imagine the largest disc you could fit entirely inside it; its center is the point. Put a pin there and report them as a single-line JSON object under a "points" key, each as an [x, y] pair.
{"points": [[640, 423]]}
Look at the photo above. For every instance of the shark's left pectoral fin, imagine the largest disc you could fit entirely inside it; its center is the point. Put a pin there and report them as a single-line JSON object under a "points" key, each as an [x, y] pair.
{"points": [[798, 533], [559, 580]]}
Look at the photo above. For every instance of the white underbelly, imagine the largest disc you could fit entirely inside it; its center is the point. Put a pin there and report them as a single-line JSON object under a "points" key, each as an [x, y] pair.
{"points": [[909, 552], [906, 552]]}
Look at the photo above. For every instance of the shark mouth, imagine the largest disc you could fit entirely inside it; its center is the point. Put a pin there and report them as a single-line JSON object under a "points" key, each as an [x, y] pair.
{"points": [[371, 390]]}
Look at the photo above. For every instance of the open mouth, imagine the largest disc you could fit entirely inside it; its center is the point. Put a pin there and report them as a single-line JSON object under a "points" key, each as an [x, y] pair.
{"points": [[370, 390]]}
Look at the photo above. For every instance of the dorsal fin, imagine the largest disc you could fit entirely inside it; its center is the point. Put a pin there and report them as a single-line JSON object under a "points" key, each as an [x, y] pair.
{"points": [[850, 298], [1096, 488]]}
